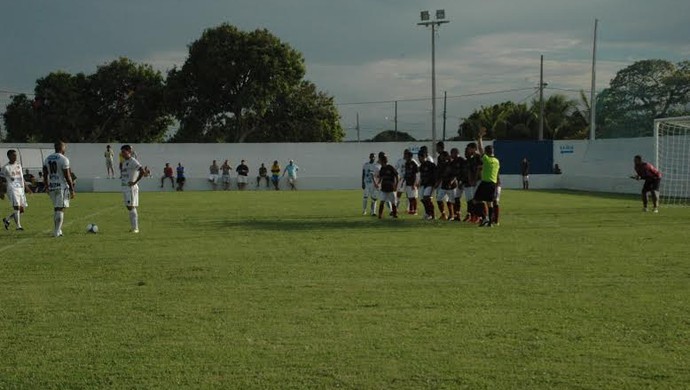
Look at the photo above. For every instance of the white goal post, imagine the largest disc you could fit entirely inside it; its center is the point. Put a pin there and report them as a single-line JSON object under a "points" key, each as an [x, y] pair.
{"points": [[672, 158]]}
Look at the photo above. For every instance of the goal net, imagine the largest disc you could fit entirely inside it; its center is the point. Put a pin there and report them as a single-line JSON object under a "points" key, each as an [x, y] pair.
{"points": [[672, 143]]}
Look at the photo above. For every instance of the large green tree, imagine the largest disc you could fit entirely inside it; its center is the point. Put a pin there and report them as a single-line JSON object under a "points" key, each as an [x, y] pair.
{"points": [[122, 101], [127, 103], [237, 86], [640, 93]]}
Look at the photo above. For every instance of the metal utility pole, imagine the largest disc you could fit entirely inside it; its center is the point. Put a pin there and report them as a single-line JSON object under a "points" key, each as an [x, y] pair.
{"points": [[396, 121], [541, 99], [593, 94], [440, 19], [445, 105], [358, 127]]}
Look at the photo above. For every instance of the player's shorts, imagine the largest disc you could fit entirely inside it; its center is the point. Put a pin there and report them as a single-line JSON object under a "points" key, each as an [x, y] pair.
{"points": [[469, 192], [292, 179], [388, 197], [60, 198], [241, 179], [497, 194], [443, 195], [485, 192], [226, 178], [131, 195], [109, 164], [411, 192], [651, 185], [525, 178], [427, 191], [180, 180], [275, 178], [213, 178], [17, 197], [370, 191]]}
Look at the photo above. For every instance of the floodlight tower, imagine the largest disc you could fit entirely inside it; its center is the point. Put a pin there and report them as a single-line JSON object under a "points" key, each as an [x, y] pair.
{"points": [[434, 24]]}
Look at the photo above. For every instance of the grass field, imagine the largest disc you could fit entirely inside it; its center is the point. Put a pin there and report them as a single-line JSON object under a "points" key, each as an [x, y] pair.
{"points": [[297, 290]]}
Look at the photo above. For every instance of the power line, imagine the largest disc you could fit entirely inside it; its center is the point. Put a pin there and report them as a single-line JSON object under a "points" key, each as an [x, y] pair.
{"points": [[428, 98], [4, 91]]}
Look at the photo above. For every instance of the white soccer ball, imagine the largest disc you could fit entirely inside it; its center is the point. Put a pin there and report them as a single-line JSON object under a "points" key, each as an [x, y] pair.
{"points": [[92, 228]]}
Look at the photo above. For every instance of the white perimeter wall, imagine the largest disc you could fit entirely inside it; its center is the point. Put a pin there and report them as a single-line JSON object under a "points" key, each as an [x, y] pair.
{"points": [[601, 165]]}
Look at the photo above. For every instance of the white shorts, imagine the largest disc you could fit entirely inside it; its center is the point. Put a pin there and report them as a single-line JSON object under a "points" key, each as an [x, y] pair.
{"points": [[131, 196], [497, 196], [226, 178], [411, 192], [388, 197], [525, 178], [241, 179], [445, 195], [60, 198], [427, 191], [291, 179], [370, 191], [213, 178], [16, 196], [469, 192]]}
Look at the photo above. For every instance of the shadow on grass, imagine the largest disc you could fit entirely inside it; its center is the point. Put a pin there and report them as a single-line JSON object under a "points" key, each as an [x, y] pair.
{"points": [[314, 223], [600, 195]]}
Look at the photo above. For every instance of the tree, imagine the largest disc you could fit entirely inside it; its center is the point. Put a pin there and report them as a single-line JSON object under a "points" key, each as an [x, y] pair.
{"points": [[562, 119], [228, 82], [301, 114], [20, 123], [640, 93], [392, 136], [127, 103], [122, 101], [505, 120], [240, 86]]}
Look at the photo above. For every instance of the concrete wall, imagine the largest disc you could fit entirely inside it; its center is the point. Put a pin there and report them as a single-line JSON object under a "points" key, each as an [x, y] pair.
{"points": [[601, 165]]}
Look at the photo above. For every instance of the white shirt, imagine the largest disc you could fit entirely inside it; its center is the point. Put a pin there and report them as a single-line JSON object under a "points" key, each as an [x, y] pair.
{"points": [[129, 170], [369, 169], [56, 164], [13, 174], [400, 167]]}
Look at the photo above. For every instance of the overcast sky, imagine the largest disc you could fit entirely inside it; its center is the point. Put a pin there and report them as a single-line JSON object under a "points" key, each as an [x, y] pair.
{"points": [[361, 51]]}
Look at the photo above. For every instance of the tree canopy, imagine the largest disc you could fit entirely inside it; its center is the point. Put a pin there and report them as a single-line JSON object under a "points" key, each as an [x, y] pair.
{"points": [[122, 101], [392, 136], [238, 86], [640, 93]]}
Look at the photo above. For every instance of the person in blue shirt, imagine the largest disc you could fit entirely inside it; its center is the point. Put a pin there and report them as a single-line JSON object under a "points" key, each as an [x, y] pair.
{"points": [[180, 177], [291, 170]]}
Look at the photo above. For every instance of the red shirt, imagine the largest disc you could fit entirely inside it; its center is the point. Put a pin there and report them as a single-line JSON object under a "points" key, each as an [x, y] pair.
{"points": [[647, 171], [168, 171]]}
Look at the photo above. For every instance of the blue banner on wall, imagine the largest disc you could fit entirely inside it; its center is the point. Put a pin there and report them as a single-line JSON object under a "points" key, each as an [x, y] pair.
{"points": [[538, 153]]}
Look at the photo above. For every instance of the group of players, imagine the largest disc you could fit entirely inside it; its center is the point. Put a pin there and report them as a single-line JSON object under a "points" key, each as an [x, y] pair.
{"points": [[57, 178], [474, 175]]}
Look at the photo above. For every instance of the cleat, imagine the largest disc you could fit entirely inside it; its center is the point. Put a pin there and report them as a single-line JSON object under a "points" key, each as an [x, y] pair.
{"points": [[373, 215], [644, 209], [7, 223], [364, 212], [20, 228], [656, 210], [135, 231]]}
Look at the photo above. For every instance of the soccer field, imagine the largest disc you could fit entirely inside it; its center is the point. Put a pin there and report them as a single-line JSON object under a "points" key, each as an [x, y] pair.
{"points": [[298, 290]]}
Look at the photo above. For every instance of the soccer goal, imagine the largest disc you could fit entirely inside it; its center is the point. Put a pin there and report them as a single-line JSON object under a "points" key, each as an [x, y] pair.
{"points": [[672, 146]]}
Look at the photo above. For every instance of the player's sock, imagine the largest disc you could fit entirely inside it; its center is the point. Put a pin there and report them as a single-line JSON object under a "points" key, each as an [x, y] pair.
{"points": [[373, 206], [17, 220], [457, 208], [134, 219], [497, 210], [413, 205], [59, 218], [364, 205]]}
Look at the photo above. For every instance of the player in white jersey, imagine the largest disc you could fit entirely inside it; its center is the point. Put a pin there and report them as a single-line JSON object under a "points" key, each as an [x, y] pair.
{"points": [[368, 172], [13, 175], [57, 178], [131, 172]]}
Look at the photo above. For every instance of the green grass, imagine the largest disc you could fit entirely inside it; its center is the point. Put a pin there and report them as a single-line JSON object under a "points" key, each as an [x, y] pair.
{"points": [[297, 290]]}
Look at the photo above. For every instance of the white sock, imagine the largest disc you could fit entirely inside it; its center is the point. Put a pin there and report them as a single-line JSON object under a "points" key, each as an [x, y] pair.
{"points": [[17, 218], [373, 206], [59, 218], [134, 219], [364, 204]]}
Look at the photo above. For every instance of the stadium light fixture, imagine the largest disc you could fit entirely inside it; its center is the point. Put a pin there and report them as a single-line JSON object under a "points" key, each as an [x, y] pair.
{"points": [[434, 24]]}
